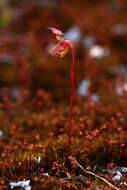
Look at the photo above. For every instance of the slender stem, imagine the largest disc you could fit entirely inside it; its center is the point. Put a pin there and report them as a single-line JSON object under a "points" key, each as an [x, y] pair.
{"points": [[71, 102]]}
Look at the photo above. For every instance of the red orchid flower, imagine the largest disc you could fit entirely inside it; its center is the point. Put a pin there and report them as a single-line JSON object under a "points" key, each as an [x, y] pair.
{"points": [[63, 45], [62, 48]]}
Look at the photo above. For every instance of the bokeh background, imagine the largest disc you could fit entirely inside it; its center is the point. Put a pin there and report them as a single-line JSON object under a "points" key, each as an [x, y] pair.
{"points": [[97, 28], [35, 93]]}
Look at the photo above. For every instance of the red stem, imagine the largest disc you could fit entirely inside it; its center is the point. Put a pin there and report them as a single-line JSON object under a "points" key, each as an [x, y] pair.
{"points": [[71, 102]]}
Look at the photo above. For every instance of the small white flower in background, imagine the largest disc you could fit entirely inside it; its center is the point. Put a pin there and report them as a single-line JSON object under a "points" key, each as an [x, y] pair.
{"points": [[23, 184], [46, 174], [1, 133], [38, 160], [117, 177], [97, 51], [83, 89]]}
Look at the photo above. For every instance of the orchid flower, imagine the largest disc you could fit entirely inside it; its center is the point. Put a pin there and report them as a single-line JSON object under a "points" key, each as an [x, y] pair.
{"points": [[63, 45], [62, 48]]}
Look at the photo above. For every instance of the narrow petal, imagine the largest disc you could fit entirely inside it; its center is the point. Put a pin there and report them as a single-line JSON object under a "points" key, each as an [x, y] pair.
{"points": [[54, 48], [55, 31]]}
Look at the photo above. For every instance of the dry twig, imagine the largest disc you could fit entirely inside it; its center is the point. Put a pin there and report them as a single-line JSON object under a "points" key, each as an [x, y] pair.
{"points": [[97, 176]]}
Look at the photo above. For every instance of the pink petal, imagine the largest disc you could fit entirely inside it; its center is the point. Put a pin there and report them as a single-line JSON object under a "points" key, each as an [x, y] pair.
{"points": [[55, 31]]}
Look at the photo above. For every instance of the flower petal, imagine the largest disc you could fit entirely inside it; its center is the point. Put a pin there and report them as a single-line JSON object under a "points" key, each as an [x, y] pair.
{"points": [[55, 31]]}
